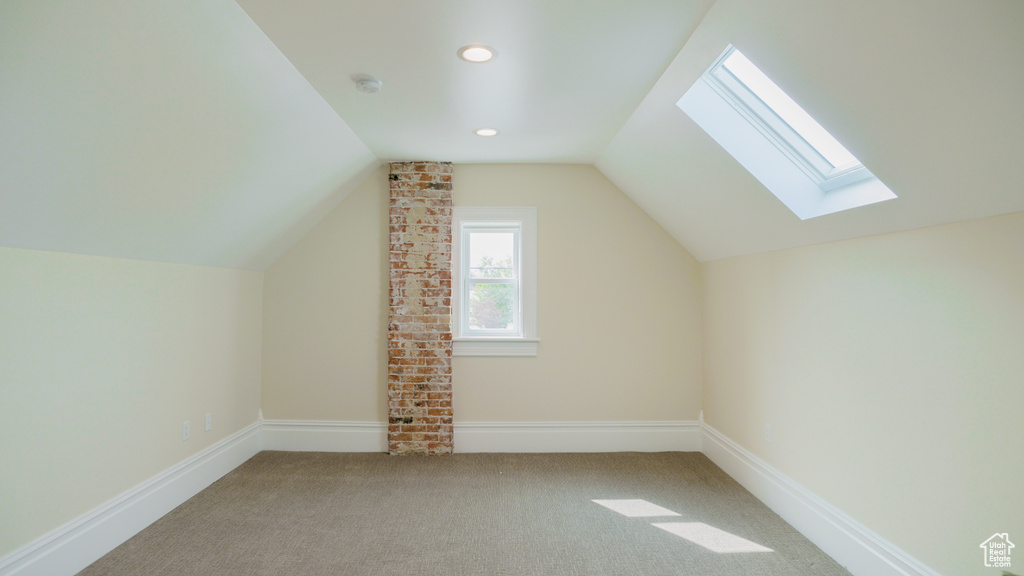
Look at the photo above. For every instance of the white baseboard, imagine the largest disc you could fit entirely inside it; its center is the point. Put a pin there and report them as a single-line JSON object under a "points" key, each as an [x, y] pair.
{"points": [[680, 436], [324, 436], [330, 436], [73, 546], [851, 544]]}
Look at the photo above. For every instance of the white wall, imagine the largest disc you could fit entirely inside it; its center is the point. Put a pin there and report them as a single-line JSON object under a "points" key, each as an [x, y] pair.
{"points": [[618, 307], [891, 370], [618, 311], [325, 311], [101, 361]]}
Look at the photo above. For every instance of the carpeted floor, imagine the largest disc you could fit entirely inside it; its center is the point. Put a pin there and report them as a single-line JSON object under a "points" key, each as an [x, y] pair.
{"points": [[312, 514]]}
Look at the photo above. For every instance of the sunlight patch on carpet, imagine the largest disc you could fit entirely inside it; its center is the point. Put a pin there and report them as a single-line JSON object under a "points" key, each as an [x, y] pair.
{"points": [[711, 538], [636, 508]]}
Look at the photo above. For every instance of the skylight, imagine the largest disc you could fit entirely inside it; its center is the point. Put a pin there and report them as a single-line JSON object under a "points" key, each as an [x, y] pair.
{"points": [[789, 152]]}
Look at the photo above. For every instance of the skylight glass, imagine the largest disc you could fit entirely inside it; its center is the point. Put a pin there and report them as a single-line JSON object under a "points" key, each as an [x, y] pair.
{"points": [[789, 111]]}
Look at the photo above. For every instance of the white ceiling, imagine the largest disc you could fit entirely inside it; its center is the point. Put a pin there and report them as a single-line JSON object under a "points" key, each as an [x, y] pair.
{"points": [[567, 76], [208, 134]]}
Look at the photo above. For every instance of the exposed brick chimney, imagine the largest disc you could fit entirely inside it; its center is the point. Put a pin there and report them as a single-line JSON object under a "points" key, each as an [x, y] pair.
{"points": [[419, 324]]}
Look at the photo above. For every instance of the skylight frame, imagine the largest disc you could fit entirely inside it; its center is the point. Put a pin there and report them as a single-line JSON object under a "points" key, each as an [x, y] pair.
{"points": [[804, 155], [758, 146]]}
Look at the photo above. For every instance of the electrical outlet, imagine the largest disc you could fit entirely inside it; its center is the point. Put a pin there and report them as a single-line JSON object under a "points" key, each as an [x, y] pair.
{"points": [[184, 431], [767, 432], [209, 422]]}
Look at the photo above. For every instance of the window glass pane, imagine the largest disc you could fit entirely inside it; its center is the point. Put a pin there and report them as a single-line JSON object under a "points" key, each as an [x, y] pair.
{"points": [[790, 112], [490, 254], [491, 305]]}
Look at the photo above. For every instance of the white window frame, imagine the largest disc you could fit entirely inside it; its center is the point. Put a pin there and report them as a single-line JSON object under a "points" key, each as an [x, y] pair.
{"points": [[799, 151], [793, 170], [522, 339]]}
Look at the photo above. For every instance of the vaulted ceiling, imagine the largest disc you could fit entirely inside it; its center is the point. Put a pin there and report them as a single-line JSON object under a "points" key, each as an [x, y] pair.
{"points": [[218, 133]]}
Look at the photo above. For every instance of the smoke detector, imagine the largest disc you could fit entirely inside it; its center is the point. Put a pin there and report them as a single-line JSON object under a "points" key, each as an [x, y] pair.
{"points": [[367, 84]]}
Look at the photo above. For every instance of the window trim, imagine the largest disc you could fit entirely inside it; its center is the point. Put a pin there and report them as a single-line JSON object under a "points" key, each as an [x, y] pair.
{"points": [[524, 341]]}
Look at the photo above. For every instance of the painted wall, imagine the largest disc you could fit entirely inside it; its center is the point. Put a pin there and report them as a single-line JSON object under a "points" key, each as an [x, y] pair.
{"points": [[101, 361], [325, 316], [618, 311], [891, 370], [618, 307]]}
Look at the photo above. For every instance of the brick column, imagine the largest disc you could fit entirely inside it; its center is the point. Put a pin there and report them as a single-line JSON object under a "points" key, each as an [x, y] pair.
{"points": [[419, 325]]}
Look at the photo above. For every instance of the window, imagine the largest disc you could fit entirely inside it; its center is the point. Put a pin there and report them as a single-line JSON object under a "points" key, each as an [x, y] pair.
{"points": [[777, 141], [494, 264], [490, 279]]}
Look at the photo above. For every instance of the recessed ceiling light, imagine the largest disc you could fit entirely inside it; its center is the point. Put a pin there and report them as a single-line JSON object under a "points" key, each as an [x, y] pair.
{"points": [[476, 53], [486, 132]]}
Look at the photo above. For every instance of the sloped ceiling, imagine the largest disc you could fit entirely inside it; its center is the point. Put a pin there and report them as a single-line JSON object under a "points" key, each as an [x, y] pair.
{"points": [[161, 130], [218, 133]]}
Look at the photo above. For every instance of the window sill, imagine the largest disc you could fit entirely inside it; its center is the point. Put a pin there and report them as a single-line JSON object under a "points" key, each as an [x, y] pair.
{"points": [[495, 346]]}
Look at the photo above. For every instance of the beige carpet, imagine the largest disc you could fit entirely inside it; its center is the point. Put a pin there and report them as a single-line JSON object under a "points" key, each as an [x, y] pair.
{"points": [[306, 514]]}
